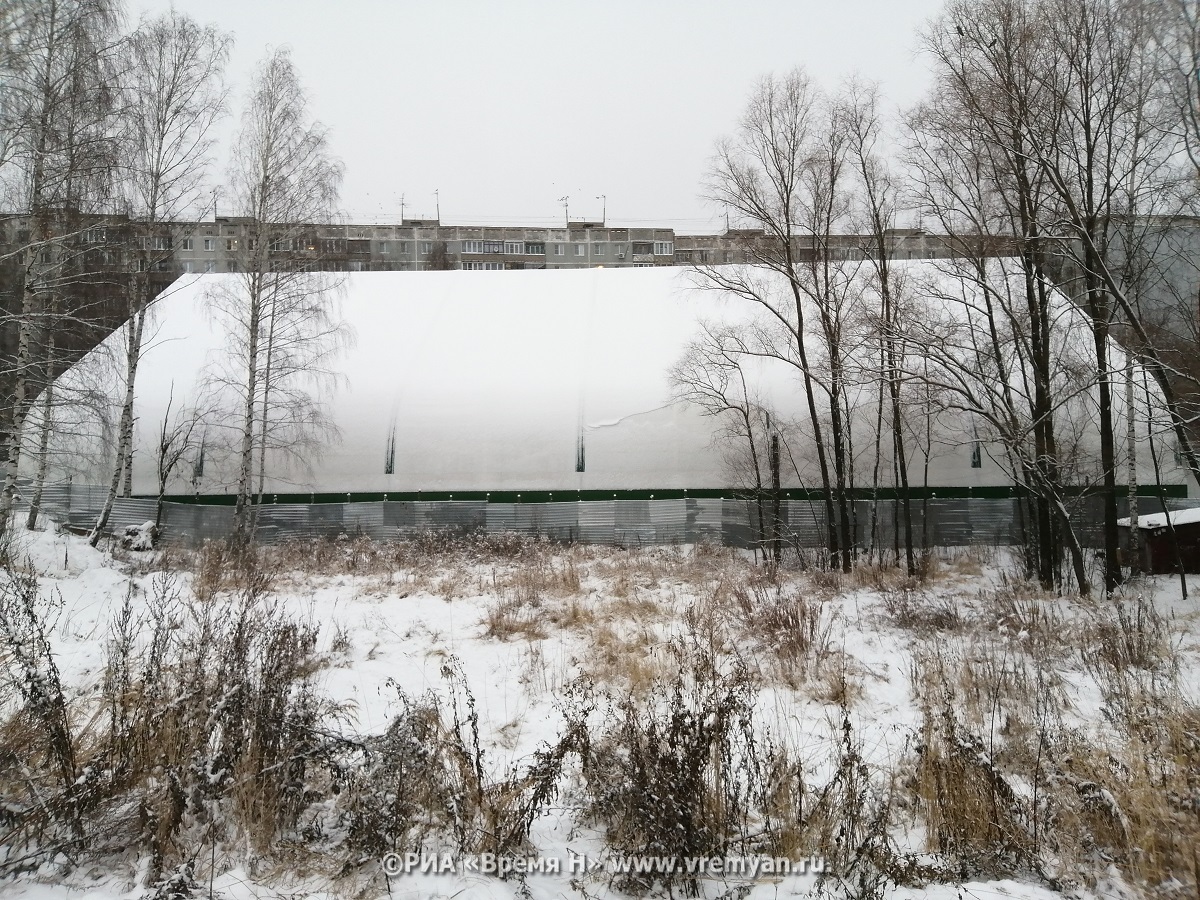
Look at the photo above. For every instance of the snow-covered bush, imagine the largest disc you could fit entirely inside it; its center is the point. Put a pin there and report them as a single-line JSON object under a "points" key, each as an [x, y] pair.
{"points": [[140, 537], [427, 778]]}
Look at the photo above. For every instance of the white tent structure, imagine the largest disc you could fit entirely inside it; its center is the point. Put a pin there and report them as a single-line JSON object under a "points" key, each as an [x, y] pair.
{"points": [[515, 381]]}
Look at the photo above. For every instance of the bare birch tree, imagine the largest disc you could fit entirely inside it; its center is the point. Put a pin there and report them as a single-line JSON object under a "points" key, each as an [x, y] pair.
{"points": [[781, 176], [174, 95], [971, 147], [878, 211], [59, 167], [180, 435], [284, 180], [1104, 155], [710, 375]]}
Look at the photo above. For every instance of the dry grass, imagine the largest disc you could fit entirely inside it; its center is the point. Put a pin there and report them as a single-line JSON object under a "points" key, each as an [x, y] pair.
{"points": [[427, 776], [1151, 783], [910, 607], [206, 726], [510, 617], [795, 630], [209, 735], [625, 658], [1009, 781], [677, 771], [973, 814]]}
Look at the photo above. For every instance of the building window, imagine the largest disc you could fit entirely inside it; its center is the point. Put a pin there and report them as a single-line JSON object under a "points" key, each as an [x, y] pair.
{"points": [[477, 265], [537, 249], [94, 236], [597, 249], [426, 247], [210, 266], [187, 243], [559, 250], [472, 246], [664, 248], [402, 247], [493, 246], [210, 245], [251, 244], [384, 249], [516, 248], [580, 249], [187, 268], [231, 244]]}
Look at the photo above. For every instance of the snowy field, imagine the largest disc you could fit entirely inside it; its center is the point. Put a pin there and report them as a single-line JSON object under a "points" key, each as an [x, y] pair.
{"points": [[581, 708]]}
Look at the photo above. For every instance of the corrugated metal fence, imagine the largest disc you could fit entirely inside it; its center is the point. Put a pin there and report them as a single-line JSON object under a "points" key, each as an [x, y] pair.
{"points": [[941, 522]]}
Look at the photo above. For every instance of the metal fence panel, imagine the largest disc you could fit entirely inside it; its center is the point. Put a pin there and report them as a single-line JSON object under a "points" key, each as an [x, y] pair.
{"points": [[703, 520], [804, 522], [598, 522], [942, 522], [669, 519], [194, 523]]}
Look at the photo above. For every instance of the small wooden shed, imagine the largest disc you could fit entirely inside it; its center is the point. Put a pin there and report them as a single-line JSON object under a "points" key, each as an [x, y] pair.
{"points": [[1161, 551]]}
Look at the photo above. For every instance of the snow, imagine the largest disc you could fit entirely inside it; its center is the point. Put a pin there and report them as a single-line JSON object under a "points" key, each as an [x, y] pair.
{"points": [[384, 633], [139, 537], [1159, 520], [489, 381]]}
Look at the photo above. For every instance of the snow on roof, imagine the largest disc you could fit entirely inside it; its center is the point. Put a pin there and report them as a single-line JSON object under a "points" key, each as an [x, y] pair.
{"points": [[1159, 519], [521, 380], [480, 381]]}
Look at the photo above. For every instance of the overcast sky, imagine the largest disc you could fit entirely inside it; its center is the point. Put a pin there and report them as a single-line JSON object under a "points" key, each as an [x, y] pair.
{"points": [[503, 107]]}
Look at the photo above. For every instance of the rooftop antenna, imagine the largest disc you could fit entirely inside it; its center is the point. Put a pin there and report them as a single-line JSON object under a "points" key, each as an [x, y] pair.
{"points": [[565, 201], [401, 209], [603, 209], [437, 206]]}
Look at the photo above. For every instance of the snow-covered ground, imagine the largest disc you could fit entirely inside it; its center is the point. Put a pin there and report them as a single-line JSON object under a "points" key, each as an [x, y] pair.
{"points": [[522, 630]]}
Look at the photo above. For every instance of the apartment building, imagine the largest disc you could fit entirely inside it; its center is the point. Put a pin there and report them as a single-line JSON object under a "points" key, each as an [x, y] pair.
{"points": [[421, 244], [222, 245], [751, 245]]}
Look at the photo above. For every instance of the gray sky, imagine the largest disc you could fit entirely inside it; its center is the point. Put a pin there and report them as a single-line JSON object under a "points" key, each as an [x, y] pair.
{"points": [[505, 106]]}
